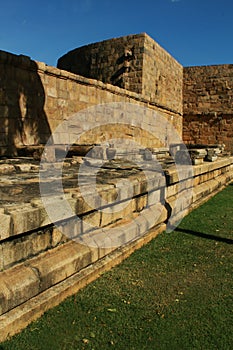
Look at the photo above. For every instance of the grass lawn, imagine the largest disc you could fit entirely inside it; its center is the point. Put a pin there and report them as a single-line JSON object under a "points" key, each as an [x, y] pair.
{"points": [[174, 293]]}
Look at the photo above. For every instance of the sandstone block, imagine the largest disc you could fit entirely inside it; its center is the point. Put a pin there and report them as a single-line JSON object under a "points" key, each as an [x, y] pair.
{"points": [[24, 168], [52, 92], [77, 229], [58, 236], [83, 206], [171, 176], [25, 247], [92, 220], [24, 219], [197, 161], [141, 202], [117, 212], [7, 169], [171, 190], [151, 217], [1, 259], [210, 158], [124, 189], [131, 231], [109, 194], [15, 251], [5, 227], [201, 191], [61, 262], [154, 197], [16, 286]]}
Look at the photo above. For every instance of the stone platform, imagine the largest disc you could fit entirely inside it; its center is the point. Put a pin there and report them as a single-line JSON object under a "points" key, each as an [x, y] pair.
{"points": [[42, 261]]}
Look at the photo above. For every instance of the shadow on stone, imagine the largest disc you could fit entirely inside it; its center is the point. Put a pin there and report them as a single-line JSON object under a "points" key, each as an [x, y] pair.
{"points": [[24, 121]]}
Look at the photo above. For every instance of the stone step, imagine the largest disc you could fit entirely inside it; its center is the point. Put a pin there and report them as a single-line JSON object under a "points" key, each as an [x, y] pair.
{"points": [[16, 319]]}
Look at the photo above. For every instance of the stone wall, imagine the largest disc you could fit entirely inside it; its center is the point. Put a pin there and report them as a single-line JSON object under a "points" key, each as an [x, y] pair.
{"points": [[41, 264], [208, 105], [162, 81], [23, 119], [36, 98], [136, 63], [116, 61]]}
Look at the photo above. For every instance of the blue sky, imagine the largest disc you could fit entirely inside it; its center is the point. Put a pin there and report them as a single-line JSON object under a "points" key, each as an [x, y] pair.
{"points": [[195, 32]]}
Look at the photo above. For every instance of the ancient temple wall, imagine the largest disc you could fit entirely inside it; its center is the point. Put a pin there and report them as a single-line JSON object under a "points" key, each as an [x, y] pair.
{"points": [[162, 81], [42, 261], [136, 63], [117, 61], [36, 98], [208, 105]]}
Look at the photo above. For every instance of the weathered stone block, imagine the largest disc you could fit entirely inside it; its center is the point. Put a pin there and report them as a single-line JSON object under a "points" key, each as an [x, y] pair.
{"points": [[92, 219], [154, 197], [56, 235], [25, 247], [83, 206], [17, 285], [108, 194], [117, 212], [5, 227], [141, 202], [24, 168], [24, 219], [1, 259], [7, 169], [56, 265], [197, 161], [52, 92]]}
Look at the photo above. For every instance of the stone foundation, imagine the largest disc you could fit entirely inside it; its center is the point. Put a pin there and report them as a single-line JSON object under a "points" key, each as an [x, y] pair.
{"points": [[41, 264]]}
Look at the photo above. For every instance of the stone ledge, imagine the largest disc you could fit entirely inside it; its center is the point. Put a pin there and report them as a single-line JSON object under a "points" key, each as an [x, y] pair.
{"points": [[15, 320], [25, 217], [15, 285], [25, 280], [207, 167], [58, 267], [199, 197]]}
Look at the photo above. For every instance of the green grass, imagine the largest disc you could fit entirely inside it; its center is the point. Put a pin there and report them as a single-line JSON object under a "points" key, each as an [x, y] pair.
{"points": [[174, 293]]}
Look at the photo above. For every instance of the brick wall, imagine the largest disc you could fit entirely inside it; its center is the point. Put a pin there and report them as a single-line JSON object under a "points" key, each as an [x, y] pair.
{"points": [[208, 105]]}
